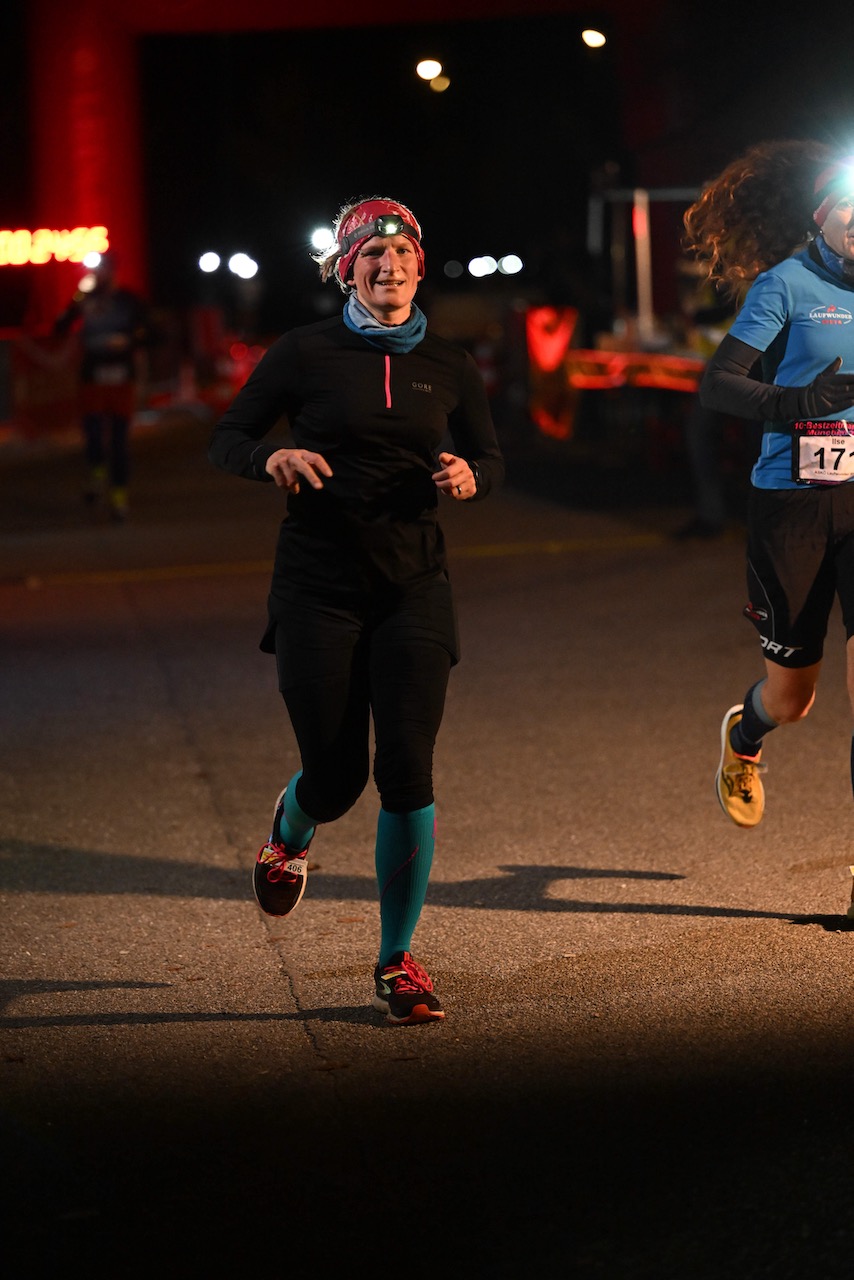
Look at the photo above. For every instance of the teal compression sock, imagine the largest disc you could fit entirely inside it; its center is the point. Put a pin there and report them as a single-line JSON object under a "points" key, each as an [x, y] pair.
{"points": [[295, 826], [404, 856]]}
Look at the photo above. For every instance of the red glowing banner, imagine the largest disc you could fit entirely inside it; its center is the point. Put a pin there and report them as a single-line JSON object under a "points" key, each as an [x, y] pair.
{"points": [[18, 248], [558, 372]]}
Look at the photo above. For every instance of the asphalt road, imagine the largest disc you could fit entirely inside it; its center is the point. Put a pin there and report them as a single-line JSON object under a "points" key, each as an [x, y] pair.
{"points": [[645, 1068]]}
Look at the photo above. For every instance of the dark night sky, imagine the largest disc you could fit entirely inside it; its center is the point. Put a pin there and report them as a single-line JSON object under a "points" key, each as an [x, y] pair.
{"points": [[276, 131], [251, 140]]}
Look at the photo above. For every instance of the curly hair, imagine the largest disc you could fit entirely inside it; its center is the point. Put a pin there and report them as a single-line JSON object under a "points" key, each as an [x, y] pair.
{"points": [[757, 212]]}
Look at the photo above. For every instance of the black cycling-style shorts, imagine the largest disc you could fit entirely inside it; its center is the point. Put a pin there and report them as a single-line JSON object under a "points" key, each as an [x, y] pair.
{"points": [[800, 558]]}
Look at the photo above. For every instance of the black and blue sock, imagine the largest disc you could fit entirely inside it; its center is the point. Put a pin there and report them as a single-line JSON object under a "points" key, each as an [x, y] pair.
{"points": [[746, 736]]}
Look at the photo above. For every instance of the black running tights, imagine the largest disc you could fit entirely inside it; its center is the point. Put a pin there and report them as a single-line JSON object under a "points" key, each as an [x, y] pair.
{"points": [[334, 673]]}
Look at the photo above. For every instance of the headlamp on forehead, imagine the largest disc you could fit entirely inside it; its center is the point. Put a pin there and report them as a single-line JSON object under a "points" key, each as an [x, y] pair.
{"points": [[832, 185], [387, 224]]}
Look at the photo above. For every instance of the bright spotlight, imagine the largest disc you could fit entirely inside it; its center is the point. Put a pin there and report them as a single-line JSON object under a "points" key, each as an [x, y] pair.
{"points": [[242, 265], [428, 68], [322, 238], [209, 262], [92, 260], [510, 264], [593, 39], [484, 266]]}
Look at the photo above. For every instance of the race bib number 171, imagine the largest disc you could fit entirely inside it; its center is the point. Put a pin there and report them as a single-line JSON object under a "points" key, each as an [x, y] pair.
{"points": [[822, 452]]}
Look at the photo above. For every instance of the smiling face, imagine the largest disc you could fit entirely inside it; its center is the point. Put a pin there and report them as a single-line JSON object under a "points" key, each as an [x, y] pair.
{"points": [[385, 277], [838, 228]]}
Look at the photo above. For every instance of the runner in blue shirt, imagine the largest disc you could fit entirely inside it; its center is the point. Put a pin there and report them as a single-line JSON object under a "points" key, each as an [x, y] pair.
{"points": [[778, 223]]}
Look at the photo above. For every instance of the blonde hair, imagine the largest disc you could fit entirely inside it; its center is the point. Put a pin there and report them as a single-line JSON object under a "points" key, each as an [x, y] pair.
{"points": [[328, 259]]}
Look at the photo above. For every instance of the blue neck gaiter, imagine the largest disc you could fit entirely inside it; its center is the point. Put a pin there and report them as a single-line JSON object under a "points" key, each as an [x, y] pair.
{"points": [[835, 263], [396, 338]]}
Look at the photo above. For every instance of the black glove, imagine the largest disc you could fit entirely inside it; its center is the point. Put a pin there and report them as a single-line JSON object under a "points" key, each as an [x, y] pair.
{"points": [[728, 387], [827, 394]]}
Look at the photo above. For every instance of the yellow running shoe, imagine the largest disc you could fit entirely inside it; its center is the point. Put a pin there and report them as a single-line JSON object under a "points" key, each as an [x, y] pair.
{"points": [[737, 782], [119, 506]]}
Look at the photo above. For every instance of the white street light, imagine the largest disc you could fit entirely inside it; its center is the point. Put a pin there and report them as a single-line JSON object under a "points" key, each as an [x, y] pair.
{"points": [[242, 265], [428, 68], [484, 266], [510, 264]]}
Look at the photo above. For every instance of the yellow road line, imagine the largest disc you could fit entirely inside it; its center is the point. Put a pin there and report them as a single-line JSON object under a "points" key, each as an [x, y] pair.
{"points": [[171, 573], [619, 542], [164, 573]]}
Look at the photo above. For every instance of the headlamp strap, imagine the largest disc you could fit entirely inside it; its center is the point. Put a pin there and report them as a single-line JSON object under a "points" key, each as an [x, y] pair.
{"points": [[387, 224]]}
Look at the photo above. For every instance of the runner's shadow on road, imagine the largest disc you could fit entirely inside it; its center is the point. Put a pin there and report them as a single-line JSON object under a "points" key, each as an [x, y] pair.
{"points": [[515, 888], [17, 1015], [12, 989], [29, 866]]}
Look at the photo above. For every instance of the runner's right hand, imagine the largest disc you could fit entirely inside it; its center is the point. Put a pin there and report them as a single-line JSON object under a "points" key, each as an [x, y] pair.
{"points": [[829, 393]]}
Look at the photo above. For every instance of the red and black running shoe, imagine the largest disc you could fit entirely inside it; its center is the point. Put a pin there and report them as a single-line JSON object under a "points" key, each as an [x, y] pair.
{"points": [[280, 873], [405, 992]]}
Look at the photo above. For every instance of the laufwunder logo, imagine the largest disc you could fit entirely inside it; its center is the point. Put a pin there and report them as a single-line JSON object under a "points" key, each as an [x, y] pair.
{"points": [[831, 315]]}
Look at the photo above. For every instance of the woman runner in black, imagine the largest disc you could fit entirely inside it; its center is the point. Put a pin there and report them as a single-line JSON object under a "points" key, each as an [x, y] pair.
{"points": [[780, 220], [360, 611]]}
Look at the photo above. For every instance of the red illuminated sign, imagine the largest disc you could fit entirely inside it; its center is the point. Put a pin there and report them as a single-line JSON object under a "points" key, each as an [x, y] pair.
{"points": [[17, 248]]}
